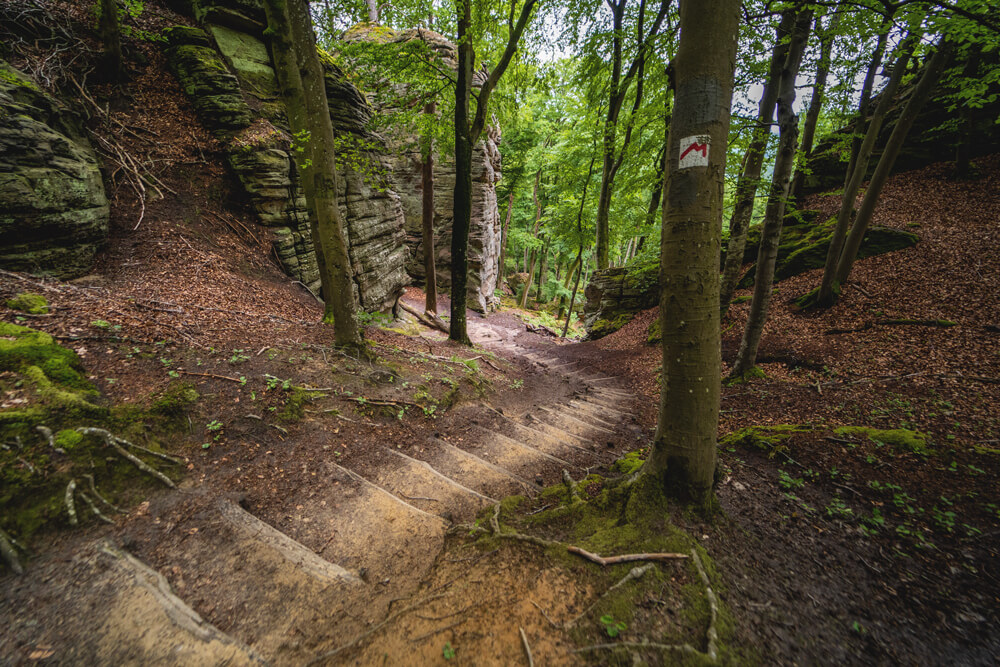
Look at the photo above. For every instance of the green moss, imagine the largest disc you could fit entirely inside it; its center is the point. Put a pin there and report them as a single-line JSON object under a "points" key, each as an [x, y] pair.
{"points": [[33, 304], [21, 347], [295, 402], [755, 373], [771, 439], [68, 439], [603, 327], [10, 75], [629, 463], [175, 399], [899, 438], [653, 333]]}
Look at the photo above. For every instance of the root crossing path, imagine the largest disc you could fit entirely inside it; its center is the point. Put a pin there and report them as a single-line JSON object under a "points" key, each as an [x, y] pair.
{"points": [[211, 581]]}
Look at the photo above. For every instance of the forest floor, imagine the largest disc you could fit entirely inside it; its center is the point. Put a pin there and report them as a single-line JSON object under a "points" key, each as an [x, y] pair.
{"points": [[833, 547]]}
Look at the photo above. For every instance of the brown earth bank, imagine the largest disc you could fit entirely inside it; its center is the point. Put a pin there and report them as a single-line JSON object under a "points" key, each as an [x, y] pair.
{"points": [[843, 547]]}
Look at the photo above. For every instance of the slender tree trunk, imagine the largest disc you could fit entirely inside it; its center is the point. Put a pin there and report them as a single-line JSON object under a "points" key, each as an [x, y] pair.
{"points": [[746, 186], [963, 149], [576, 286], [682, 459], [372, 10], [774, 215], [111, 38], [523, 301], [574, 267], [463, 176], [294, 29], [542, 270], [826, 35], [828, 284], [427, 217], [503, 237], [932, 74], [866, 94]]}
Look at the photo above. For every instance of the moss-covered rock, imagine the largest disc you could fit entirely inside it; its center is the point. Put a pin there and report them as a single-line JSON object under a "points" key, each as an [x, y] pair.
{"points": [[899, 438], [804, 244], [53, 208], [33, 304], [45, 394], [614, 296], [772, 438]]}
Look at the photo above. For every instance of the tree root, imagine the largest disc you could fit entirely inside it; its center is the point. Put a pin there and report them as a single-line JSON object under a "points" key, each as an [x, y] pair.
{"points": [[70, 505], [93, 508], [47, 433], [527, 649], [574, 496], [357, 640], [113, 442], [9, 553], [104, 501], [633, 574]]}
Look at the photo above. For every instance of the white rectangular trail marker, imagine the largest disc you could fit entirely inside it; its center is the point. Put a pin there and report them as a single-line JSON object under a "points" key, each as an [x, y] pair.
{"points": [[694, 151]]}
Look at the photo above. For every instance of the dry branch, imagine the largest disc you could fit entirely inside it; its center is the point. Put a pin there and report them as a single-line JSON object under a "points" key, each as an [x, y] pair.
{"points": [[426, 320], [527, 649], [625, 558]]}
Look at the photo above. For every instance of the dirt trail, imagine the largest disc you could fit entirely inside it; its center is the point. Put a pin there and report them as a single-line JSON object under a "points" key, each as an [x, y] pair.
{"points": [[202, 576]]}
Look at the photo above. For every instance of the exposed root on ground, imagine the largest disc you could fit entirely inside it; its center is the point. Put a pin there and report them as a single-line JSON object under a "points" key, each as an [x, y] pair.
{"points": [[9, 553], [116, 444]]}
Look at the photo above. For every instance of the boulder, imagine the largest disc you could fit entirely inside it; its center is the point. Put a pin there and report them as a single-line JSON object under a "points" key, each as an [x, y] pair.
{"points": [[53, 207]]}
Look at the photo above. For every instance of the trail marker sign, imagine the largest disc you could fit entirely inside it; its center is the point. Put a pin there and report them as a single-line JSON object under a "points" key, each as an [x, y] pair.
{"points": [[694, 151]]}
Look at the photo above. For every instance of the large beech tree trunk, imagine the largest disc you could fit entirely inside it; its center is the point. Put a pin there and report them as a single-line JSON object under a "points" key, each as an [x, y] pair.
{"points": [[746, 186], [829, 285], [291, 27], [866, 92], [932, 74], [111, 38], [682, 460], [774, 215]]}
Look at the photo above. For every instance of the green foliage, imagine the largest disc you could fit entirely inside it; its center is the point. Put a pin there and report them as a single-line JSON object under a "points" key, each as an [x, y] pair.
{"points": [[899, 438]]}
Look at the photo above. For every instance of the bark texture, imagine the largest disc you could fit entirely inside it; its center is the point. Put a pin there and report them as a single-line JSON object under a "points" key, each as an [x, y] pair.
{"points": [[683, 456]]}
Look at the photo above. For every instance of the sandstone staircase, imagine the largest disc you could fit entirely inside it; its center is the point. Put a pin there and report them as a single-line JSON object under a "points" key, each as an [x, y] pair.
{"points": [[344, 552]]}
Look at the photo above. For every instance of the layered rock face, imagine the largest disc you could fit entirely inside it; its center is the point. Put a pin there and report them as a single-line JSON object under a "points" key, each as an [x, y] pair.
{"points": [[53, 208], [226, 71], [405, 160]]}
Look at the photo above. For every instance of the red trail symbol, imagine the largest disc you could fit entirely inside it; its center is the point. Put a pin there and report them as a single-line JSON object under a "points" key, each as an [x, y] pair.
{"points": [[698, 148]]}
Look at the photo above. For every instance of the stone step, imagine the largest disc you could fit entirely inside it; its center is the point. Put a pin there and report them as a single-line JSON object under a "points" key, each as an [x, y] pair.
{"points": [[424, 487], [522, 460], [566, 418], [240, 572], [546, 439], [539, 422], [139, 620], [594, 414], [472, 471], [520, 447]]}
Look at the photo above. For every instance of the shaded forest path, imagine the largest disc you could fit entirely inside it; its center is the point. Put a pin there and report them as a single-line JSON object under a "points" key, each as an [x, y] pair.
{"points": [[204, 575]]}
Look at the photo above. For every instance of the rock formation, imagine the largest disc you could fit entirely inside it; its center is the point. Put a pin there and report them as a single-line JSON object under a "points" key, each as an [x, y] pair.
{"points": [[53, 208], [226, 70], [405, 159]]}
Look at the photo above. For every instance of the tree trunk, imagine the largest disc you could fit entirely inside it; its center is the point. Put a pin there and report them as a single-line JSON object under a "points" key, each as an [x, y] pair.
{"points": [[542, 269], [826, 35], [576, 286], [523, 301], [681, 462], [427, 215], [932, 74], [746, 186], [574, 267], [503, 238], [463, 177], [866, 94], [828, 284], [963, 150], [774, 215], [372, 10], [110, 32], [294, 29]]}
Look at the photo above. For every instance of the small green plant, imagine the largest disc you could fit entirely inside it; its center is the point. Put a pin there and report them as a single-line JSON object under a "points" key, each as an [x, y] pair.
{"points": [[238, 357], [215, 427], [838, 508], [612, 627], [517, 384], [448, 652], [788, 482]]}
